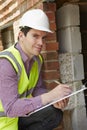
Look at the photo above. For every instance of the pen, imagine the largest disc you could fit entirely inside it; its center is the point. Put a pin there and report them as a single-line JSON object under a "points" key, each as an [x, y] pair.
{"points": [[56, 81]]}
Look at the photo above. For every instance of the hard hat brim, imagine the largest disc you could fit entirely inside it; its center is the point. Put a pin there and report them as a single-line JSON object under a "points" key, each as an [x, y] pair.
{"points": [[39, 28], [42, 29]]}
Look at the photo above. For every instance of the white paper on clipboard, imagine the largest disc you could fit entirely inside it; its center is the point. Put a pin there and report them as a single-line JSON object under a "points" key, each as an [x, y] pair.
{"points": [[57, 100]]}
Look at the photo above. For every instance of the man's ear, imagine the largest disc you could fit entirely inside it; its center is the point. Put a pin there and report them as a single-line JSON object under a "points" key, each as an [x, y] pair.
{"points": [[21, 35]]}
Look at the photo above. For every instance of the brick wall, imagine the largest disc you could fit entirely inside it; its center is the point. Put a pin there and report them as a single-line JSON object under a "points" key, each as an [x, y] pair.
{"points": [[10, 12], [51, 66]]}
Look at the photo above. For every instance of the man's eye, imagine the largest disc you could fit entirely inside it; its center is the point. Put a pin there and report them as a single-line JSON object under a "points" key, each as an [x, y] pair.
{"points": [[44, 38], [35, 36]]}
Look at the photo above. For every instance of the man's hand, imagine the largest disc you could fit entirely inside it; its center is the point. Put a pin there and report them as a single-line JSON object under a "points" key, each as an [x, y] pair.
{"points": [[61, 104]]}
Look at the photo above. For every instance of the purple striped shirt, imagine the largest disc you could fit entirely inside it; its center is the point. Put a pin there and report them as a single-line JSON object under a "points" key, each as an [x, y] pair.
{"points": [[14, 106]]}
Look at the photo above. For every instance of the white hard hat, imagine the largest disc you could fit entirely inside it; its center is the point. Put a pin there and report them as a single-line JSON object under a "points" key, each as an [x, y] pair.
{"points": [[35, 19]]}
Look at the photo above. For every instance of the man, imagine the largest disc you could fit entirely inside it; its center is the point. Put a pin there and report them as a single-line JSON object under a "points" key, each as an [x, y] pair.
{"points": [[21, 86]]}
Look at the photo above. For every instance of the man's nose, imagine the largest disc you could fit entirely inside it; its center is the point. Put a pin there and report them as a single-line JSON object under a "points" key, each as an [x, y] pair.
{"points": [[41, 41]]}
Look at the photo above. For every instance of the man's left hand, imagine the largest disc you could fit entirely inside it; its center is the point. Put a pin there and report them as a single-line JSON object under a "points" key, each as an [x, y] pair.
{"points": [[62, 104]]}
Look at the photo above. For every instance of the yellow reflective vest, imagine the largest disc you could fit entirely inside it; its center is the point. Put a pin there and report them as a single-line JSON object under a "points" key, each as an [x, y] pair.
{"points": [[24, 83]]}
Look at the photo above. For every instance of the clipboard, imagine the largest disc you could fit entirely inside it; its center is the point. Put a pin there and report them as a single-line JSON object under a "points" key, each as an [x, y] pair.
{"points": [[57, 100]]}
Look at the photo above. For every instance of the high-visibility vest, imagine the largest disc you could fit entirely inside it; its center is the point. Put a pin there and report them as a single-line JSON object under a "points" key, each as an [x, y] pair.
{"points": [[25, 84]]}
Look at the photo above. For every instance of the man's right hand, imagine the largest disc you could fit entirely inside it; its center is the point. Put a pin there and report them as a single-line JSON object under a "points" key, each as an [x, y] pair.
{"points": [[58, 92]]}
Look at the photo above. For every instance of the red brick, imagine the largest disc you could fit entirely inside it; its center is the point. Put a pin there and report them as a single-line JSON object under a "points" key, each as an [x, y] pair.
{"points": [[50, 56], [52, 65], [20, 2], [50, 75], [39, 6], [50, 47], [29, 4], [53, 26], [35, 1], [50, 85], [51, 37], [49, 6], [23, 7], [51, 16]]}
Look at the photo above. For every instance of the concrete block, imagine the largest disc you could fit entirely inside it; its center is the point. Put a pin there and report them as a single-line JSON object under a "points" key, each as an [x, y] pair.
{"points": [[77, 99], [69, 40], [79, 119], [75, 119], [71, 67], [68, 15]]}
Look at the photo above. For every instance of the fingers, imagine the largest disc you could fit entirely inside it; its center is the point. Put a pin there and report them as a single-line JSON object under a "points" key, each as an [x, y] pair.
{"points": [[65, 102], [59, 92], [62, 104], [64, 89]]}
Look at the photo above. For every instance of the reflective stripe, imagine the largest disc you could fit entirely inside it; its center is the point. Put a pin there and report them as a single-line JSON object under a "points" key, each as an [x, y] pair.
{"points": [[2, 114], [14, 59], [26, 93], [39, 64]]}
